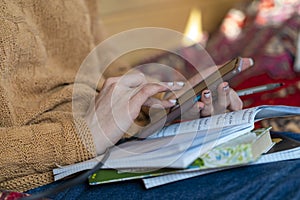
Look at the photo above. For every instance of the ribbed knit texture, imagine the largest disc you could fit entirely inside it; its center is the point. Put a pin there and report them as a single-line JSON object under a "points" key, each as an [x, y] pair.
{"points": [[42, 45]]}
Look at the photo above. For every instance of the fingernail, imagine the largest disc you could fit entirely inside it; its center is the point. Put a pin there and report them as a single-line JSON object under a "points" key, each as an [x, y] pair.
{"points": [[207, 94], [172, 101], [226, 87], [251, 61], [170, 83], [180, 83]]}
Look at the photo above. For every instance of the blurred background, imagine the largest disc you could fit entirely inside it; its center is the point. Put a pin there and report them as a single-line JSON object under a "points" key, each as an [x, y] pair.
{"points": [[121, 15], [265, 30]]}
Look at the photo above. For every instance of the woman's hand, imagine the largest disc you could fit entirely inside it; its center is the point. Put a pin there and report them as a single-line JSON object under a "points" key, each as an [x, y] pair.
{"points": [[119, 103], [227, 98]]}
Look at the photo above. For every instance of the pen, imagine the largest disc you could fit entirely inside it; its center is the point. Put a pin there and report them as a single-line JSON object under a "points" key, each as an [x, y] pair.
{"points": [[252, 90], [261, 88]]}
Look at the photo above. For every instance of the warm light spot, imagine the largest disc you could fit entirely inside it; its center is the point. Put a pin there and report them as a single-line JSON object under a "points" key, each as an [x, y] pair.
{"points": [[233, 23], [193, 32]]}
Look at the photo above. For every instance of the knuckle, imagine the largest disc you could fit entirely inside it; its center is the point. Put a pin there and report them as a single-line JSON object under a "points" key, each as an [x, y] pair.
{"points": [[145, 91], [109, 81], [238, 105], [151, 89], [113, 85]]}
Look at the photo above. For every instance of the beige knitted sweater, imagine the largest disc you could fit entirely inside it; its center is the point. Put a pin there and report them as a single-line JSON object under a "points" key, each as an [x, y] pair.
{"points": [[42, 44]]}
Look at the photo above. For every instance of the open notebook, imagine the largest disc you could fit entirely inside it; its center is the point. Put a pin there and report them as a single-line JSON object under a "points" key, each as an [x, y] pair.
{"points": [[178, 145]]}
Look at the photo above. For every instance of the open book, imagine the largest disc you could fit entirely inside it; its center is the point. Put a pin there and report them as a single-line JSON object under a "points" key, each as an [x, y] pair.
{"points": [[179, 145], [287, 149], [236, 152]]}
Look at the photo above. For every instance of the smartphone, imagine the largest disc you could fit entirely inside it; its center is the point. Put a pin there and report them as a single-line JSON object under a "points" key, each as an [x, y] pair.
{"points": [[188, 99]]}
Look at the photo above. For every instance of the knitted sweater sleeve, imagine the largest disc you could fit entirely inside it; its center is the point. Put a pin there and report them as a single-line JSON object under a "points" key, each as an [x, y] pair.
{"points": [[42, 45], [59, 139]]}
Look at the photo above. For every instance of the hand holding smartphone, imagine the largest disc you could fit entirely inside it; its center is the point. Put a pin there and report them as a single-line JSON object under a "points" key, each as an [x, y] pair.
{"points": [[186, 100]]}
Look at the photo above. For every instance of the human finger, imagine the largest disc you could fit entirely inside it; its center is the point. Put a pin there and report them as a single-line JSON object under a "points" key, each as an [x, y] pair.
{"points": [[157, 103], [206, 99], [132, 80], [194, 112], [126, 81], [235, 101], [223, 100], [166, 86], [144, 92], [175, 85]]}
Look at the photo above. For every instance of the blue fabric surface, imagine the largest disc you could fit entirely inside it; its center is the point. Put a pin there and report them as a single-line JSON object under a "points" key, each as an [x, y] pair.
{"points": [[279, 180]]}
